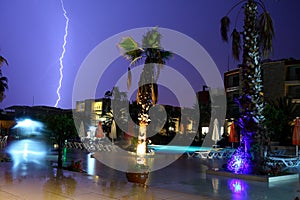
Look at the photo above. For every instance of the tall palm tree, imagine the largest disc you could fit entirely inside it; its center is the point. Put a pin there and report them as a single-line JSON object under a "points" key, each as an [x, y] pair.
{"points": [[153, 57], [257, 37], [3, 79]]}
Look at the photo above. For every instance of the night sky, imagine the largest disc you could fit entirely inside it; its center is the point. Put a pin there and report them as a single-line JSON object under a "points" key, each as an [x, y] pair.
{"points": [[32, 32]]}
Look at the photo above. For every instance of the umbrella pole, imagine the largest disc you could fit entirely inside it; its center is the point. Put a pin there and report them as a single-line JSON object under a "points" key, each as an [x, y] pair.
{"points": [[297, 151]]}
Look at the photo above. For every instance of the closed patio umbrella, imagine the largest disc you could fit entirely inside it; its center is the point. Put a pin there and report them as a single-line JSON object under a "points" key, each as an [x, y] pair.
{"points": [[216, 135], [99, 130], [81, 130], [113, 131], [296, 134], [233, 135]]}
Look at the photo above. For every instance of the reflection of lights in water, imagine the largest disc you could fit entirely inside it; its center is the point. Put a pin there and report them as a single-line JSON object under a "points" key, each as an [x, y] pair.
{"points": [[141, 160], [237, 186], [65, 155], [91, 164], [25, 151], [215, 184]]}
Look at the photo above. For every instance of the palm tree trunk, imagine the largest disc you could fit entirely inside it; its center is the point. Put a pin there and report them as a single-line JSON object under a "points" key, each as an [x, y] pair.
{"points": [[144, 99], [60, 153], [250, 71]]}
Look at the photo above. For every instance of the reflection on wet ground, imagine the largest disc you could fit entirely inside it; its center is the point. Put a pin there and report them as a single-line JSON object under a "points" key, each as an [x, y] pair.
{"points": [[188, 175], [183, 179], [50, 183]]}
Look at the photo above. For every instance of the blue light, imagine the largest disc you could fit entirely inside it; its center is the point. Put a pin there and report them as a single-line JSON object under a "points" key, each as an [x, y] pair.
{"points": [[26, 123], [28, 126], [27, 151]]}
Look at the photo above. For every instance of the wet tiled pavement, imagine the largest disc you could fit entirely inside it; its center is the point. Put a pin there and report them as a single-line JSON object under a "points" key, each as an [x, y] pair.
{"points": [[29, 182], [183, 179]]}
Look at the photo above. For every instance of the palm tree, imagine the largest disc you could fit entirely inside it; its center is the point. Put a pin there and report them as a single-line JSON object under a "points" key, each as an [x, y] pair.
{"points": [[153, 57], [257, 37], [3, 79]]}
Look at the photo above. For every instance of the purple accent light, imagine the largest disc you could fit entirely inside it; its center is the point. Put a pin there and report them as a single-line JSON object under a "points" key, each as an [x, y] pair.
{"points": [[240, 161]]}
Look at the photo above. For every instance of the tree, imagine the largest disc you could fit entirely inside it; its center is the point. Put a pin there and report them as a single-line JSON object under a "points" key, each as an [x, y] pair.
{"points": [[257, 35], [62, 127], [154, 57], [3, 79], [279, 114], [118, 102]]}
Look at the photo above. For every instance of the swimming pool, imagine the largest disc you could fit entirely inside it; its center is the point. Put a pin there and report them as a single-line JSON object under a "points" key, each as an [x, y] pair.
{"points": [[177, 149]]}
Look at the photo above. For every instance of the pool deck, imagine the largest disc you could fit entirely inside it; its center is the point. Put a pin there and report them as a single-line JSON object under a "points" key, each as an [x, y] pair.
{"points": [[184, 179], [30, 183]]}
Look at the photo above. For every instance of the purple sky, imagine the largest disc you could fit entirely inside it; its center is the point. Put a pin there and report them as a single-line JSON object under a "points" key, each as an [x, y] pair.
{"points": [[32, 31]]}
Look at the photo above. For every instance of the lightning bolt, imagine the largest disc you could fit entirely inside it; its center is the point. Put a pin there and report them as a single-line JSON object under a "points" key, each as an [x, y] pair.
{"points": [[62, 53]]}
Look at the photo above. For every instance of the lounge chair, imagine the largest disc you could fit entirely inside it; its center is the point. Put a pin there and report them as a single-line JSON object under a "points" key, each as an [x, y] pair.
{"points": [[214, 154], [286, 162], [229, 153], [201, 154], [78, 145], [278, 152]]}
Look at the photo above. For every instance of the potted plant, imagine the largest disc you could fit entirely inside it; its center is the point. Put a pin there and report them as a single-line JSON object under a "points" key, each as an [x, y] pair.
{"points": [[139, 168]]}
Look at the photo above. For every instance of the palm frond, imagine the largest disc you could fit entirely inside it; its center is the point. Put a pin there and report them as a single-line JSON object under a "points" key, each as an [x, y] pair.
{"points": [[130, 50], [266, 29], [152, 39], [3, 83], [129, 78], [3, 60], [159, 66], [165, 55], [139, 94], [128, 44], [135, 57], [236, 44], [225, 22], [154, 91]]}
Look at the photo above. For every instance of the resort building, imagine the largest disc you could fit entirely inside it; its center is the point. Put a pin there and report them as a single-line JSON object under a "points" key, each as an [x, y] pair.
{"points": [[280, 78]]}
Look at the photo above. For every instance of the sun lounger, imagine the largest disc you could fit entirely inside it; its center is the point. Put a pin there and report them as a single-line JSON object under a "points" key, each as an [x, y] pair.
{"points": [[229, 153], [220, 153], [212, 154], [78, 145], [198, 154], [201, 154], [286, 162], [278, 152]]}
